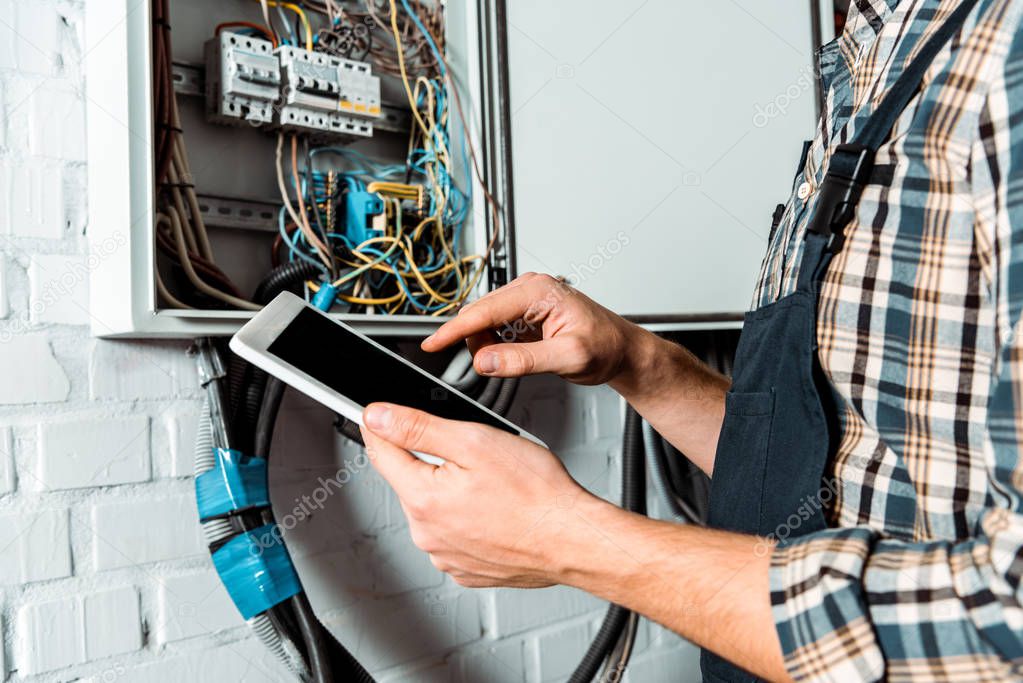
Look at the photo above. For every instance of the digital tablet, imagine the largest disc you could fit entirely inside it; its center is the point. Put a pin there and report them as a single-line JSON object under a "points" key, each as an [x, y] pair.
{"points": [[346, 371]]}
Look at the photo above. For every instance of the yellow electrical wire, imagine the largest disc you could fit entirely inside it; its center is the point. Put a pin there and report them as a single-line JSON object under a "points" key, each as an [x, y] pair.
{"points": [[407, 250], [431, 275], [398, 190], [301, 15], [467, 275], [383, 257], [360, 300], [401, 65]]}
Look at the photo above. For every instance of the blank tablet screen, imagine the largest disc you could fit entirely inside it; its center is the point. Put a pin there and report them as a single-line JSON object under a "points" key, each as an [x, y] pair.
{"points": [[364, 373]]}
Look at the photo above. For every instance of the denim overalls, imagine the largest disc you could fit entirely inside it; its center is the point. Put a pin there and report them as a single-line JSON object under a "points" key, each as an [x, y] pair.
{"points": [[779, 414]]}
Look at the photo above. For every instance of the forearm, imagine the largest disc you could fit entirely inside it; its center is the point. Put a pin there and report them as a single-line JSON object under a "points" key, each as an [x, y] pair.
{"points": [[679, 396], [709, 586]]}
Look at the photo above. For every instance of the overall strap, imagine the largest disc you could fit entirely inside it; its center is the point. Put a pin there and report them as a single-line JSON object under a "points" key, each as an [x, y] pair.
{"points": [[851, 164]]}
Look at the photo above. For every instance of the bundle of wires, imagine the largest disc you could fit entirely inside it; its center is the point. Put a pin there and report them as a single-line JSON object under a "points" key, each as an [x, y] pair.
{"points": [[412, 264], [180, 231], [614, 641], [683, 487], [406, 259], [241, 414], [365, 33]]}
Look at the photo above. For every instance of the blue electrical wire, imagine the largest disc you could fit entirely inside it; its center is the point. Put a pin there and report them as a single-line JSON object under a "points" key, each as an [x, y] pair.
{"points": [[359, 169], [293, 249], [426, 34]]}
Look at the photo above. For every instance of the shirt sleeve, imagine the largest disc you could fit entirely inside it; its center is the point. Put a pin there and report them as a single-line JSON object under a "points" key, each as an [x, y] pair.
{"points": [[853, 604]]}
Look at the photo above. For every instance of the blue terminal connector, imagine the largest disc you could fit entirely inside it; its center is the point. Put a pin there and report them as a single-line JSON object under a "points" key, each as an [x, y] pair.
{"points": [[360, 207], [324, 297]]}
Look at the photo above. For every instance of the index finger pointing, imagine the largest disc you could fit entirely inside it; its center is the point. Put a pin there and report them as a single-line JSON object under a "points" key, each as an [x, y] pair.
{"points": [[497, 309]]}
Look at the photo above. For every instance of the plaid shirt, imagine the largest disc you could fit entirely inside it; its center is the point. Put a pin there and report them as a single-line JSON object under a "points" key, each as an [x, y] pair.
{"points": [[919, 321]]}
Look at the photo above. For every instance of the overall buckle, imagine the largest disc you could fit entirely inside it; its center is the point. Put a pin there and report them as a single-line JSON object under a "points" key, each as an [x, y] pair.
{"points": [[848, 173]]}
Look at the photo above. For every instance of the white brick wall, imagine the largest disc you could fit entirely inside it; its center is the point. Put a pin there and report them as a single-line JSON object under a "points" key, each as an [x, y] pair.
{"points": [[103, 576], [77, 629], [94, 450]]}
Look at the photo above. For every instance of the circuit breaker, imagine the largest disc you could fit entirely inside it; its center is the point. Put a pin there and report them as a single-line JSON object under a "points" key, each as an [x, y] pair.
{"points": [[243, 79], [326, 93]]}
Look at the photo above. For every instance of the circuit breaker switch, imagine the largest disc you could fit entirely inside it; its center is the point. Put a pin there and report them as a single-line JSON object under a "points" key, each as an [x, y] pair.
{"points": [[243, 79], [313, 86], [360, 92]]}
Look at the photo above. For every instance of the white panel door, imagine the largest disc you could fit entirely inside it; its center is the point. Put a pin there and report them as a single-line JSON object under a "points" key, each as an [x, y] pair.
{"points": [[652, 140]]}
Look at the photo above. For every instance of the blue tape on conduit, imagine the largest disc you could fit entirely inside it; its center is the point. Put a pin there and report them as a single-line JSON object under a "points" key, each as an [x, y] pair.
{"points": [[236, 482], [256, 570]]}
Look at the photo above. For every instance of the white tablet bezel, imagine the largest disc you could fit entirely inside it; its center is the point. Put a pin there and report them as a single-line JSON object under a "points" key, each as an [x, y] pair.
{"points": [[253, 340]]}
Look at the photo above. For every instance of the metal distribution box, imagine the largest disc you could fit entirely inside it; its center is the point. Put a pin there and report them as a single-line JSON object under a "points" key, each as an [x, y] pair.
{"points": [[636, 148]]}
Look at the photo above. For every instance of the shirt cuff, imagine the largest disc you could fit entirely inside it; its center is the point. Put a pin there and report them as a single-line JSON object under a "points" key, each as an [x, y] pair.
{"points": [[819, 609]]}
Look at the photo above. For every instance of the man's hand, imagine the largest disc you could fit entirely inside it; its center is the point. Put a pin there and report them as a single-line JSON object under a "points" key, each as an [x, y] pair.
{"points": [[489, 516], [538, 324], [503, 511], [547, 326]]}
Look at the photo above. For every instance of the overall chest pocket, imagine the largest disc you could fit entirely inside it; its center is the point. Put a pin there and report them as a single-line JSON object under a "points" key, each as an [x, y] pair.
{"points": [[737, 484]]}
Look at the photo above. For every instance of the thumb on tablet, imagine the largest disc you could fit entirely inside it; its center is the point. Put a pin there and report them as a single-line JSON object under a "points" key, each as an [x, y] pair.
{"points": [[415, 430], [402, 470]]}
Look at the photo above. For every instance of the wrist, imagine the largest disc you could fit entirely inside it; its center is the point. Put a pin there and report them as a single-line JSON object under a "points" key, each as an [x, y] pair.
{"points": [[648, 362], [584, 553]]}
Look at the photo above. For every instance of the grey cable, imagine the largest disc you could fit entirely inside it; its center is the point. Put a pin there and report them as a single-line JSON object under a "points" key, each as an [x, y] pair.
{"points": [[679, 510], [458, 367], [506, 396], [490, 391]]}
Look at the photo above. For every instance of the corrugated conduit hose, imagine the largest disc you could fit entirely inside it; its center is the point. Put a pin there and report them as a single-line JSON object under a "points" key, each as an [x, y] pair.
{"points": [[217, 531], [633, 499]]}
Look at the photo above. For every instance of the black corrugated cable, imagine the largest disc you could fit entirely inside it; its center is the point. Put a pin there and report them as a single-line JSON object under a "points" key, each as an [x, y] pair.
{"points": [[490, 391], [313, 636], [617, 662], [266, 419], [322, 648], [348, 429], [505, 396], [286, 277], [687, 480], [633, 499]]}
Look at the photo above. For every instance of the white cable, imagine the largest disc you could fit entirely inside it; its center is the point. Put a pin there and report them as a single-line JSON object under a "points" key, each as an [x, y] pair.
{"points": [[218, 530], [215, 530]]}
